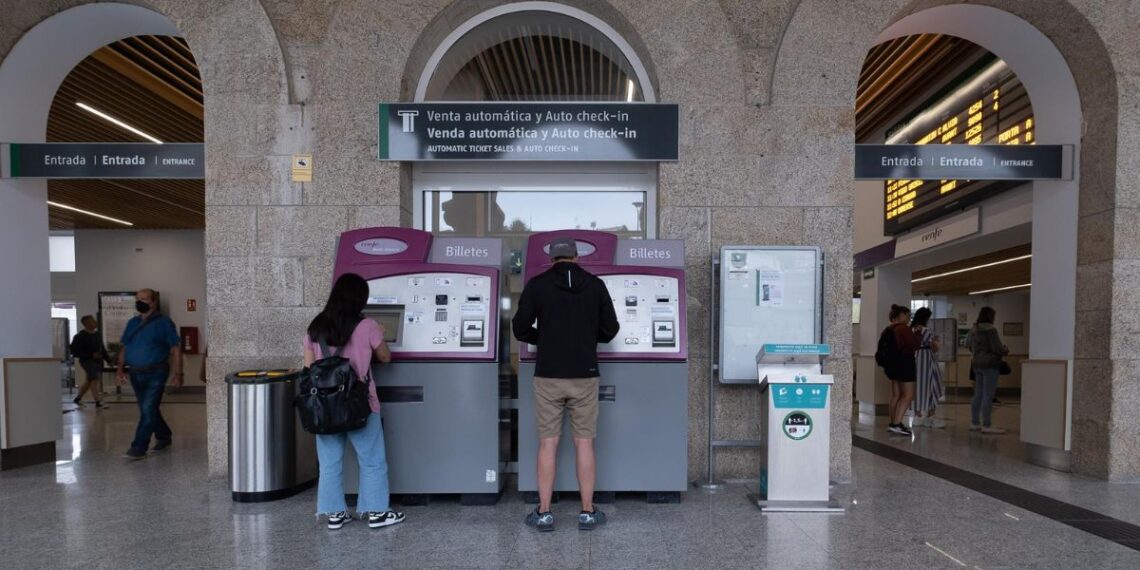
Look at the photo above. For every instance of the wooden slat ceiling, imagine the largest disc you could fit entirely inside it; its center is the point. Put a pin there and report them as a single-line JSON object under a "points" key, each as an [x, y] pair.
{"points": [[1008, 274], [1003, 275], [151, 83], [898, 72], [541, 67]]}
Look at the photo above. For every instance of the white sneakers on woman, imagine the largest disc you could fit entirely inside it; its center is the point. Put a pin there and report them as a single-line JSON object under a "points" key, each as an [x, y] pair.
{"points": [[931, 422]]}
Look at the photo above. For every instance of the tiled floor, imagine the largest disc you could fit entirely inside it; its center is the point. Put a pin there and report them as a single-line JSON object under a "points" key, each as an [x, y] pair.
{"points": [[93, 510], [1002, 457]]}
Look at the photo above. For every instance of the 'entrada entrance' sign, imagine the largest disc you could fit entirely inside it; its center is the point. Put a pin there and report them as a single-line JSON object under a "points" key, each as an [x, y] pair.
{"points": [[103, 160], [528, 131], [963, 162]]}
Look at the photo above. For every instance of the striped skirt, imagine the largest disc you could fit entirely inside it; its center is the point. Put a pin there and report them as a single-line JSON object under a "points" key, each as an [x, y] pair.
{"points": [[928, 391]]}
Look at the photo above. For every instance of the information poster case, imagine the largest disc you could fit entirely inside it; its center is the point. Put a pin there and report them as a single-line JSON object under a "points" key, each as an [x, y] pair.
{"points": [[115, 309], [768, 295]]}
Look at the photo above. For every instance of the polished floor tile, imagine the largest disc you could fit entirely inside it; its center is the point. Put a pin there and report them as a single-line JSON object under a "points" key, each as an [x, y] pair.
{"points": [[1002, 457], [94, 510]]}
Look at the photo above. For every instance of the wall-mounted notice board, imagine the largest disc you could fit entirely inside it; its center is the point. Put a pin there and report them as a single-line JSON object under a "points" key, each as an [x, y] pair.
{"points": [[768, 294]]}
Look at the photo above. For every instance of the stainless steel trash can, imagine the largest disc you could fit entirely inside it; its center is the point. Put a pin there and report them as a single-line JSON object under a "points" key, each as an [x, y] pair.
{"points": [[271, 456]]}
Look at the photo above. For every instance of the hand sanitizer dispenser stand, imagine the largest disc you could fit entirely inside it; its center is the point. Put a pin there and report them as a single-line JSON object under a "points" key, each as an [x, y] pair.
{"points": [[797, 419]]}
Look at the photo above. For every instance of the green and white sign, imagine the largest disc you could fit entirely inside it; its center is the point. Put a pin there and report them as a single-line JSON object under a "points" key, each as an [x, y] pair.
{"points": [[103, 160], [528, 131], [820, 349], [804, 396], [797, 425]]}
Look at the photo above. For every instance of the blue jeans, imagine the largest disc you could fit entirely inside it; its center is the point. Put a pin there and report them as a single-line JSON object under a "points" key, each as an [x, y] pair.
{"points": [[368, 442], [985, 387], [148, 387]]}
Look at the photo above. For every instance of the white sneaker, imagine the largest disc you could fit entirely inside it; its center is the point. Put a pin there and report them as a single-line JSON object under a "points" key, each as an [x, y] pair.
{"points": [[936, 423], [975, 427], [993, 430]]}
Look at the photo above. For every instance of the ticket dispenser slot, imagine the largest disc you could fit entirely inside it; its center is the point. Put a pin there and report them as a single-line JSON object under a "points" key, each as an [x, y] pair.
{"points": [[664, 333], [472, 333]]}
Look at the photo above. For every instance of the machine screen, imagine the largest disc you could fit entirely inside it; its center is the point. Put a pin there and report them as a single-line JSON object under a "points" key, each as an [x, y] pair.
{"points": [[390, 318]]}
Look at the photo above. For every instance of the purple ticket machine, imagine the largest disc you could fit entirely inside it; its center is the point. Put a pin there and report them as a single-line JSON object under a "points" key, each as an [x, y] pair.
{"points": [[643, 418], [438, 301]]}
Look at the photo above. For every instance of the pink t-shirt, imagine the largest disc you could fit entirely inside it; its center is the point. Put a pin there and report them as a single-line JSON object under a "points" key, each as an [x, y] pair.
{"points": [[365, 338]]}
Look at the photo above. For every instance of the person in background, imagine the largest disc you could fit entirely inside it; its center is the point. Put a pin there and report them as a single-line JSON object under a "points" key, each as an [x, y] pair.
{"points": [[985, 344], [342, 324], [87, 346], [900, 367], [928, 388], [152, 348]]}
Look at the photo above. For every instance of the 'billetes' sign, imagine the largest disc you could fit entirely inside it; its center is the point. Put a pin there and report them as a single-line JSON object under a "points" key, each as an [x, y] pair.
{"points": [[528, 131], [103, 160]]}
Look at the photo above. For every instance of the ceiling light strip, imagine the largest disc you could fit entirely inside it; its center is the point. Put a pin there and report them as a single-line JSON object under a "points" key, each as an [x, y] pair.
{"points": [[1000, 289], [975, 268], [93, 214], [115, 121]]}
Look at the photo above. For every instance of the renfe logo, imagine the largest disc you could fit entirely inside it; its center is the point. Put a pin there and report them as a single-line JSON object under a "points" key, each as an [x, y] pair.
{"points": [[584, 248], [932, 235], [465, 251], [381, 246], [649, 253], [409, 118]]}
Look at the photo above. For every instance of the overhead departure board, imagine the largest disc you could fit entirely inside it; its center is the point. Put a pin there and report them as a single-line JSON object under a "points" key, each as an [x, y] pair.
{"points": [[988, 107]]}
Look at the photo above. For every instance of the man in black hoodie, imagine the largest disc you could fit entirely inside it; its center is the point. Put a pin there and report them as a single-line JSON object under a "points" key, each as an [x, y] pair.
{"points": [[573, 312]]}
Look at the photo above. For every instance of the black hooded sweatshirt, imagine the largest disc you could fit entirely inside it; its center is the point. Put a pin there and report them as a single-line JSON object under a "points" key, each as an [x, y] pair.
{"points": [[574, 312]]}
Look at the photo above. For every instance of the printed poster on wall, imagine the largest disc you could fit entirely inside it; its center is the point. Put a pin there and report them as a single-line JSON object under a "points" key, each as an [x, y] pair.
{"points": [[115, 309], [770, 287]]}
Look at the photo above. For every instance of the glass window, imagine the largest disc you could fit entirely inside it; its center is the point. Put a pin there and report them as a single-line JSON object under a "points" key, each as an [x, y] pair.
{"points": [[513, 216], [61, 253]]}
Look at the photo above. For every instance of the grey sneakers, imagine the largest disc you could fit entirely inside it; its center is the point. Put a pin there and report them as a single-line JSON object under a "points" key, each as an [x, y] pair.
{"points": [[544, 522], [590, 521]]}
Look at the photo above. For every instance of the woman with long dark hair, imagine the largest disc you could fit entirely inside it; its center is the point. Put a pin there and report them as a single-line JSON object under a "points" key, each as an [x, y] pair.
{"points": [[341, 324], [928, 390], [900, 367]]}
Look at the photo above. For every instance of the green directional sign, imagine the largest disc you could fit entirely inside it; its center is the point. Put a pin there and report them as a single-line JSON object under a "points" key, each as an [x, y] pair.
{"points": [[103, 160]]}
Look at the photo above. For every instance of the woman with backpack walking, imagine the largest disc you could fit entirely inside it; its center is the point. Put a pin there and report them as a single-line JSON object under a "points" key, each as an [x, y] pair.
{"points": [[897, 345], [987, 353], [341, 327], [928, 388]]}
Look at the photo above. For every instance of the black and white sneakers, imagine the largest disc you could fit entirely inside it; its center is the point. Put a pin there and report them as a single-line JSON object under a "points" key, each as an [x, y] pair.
{"points": [[386, 518], [590, 521], [543, 522], [375, 520], [899, 429], [337, 520]]}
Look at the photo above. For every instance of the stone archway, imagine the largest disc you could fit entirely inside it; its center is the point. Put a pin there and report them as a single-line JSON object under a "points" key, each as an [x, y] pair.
{"points": [[818, 69], [246, 118]]}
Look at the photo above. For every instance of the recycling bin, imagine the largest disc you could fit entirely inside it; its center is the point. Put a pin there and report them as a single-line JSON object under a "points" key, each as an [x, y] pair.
{"points": [[271, 456]]}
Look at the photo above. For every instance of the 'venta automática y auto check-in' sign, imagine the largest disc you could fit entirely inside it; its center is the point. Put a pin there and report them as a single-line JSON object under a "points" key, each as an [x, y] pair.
{"points": [[963, 162], [528, 131], [103, 160]]}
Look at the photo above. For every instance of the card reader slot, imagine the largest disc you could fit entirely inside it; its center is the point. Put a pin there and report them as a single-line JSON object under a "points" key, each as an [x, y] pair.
{"points": [[400, 394]]}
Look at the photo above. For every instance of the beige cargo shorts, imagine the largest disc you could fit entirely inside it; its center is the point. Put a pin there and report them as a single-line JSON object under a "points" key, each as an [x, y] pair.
{"points": [[554, 396]]}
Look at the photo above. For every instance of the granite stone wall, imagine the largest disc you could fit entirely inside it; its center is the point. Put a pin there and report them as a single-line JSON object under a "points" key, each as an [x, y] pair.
{"points": [[766, 89]]}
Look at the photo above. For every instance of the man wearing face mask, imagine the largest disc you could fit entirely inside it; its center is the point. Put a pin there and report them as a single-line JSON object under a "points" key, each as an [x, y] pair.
{"points": [[152, 348]]}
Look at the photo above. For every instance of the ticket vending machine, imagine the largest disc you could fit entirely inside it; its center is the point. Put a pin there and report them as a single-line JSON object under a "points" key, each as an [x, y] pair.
{"points": [[438, 301], [643, 417]]}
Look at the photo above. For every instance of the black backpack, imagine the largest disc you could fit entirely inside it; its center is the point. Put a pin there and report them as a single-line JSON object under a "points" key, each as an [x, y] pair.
{"points": [[330, 396], [887, 351]]}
